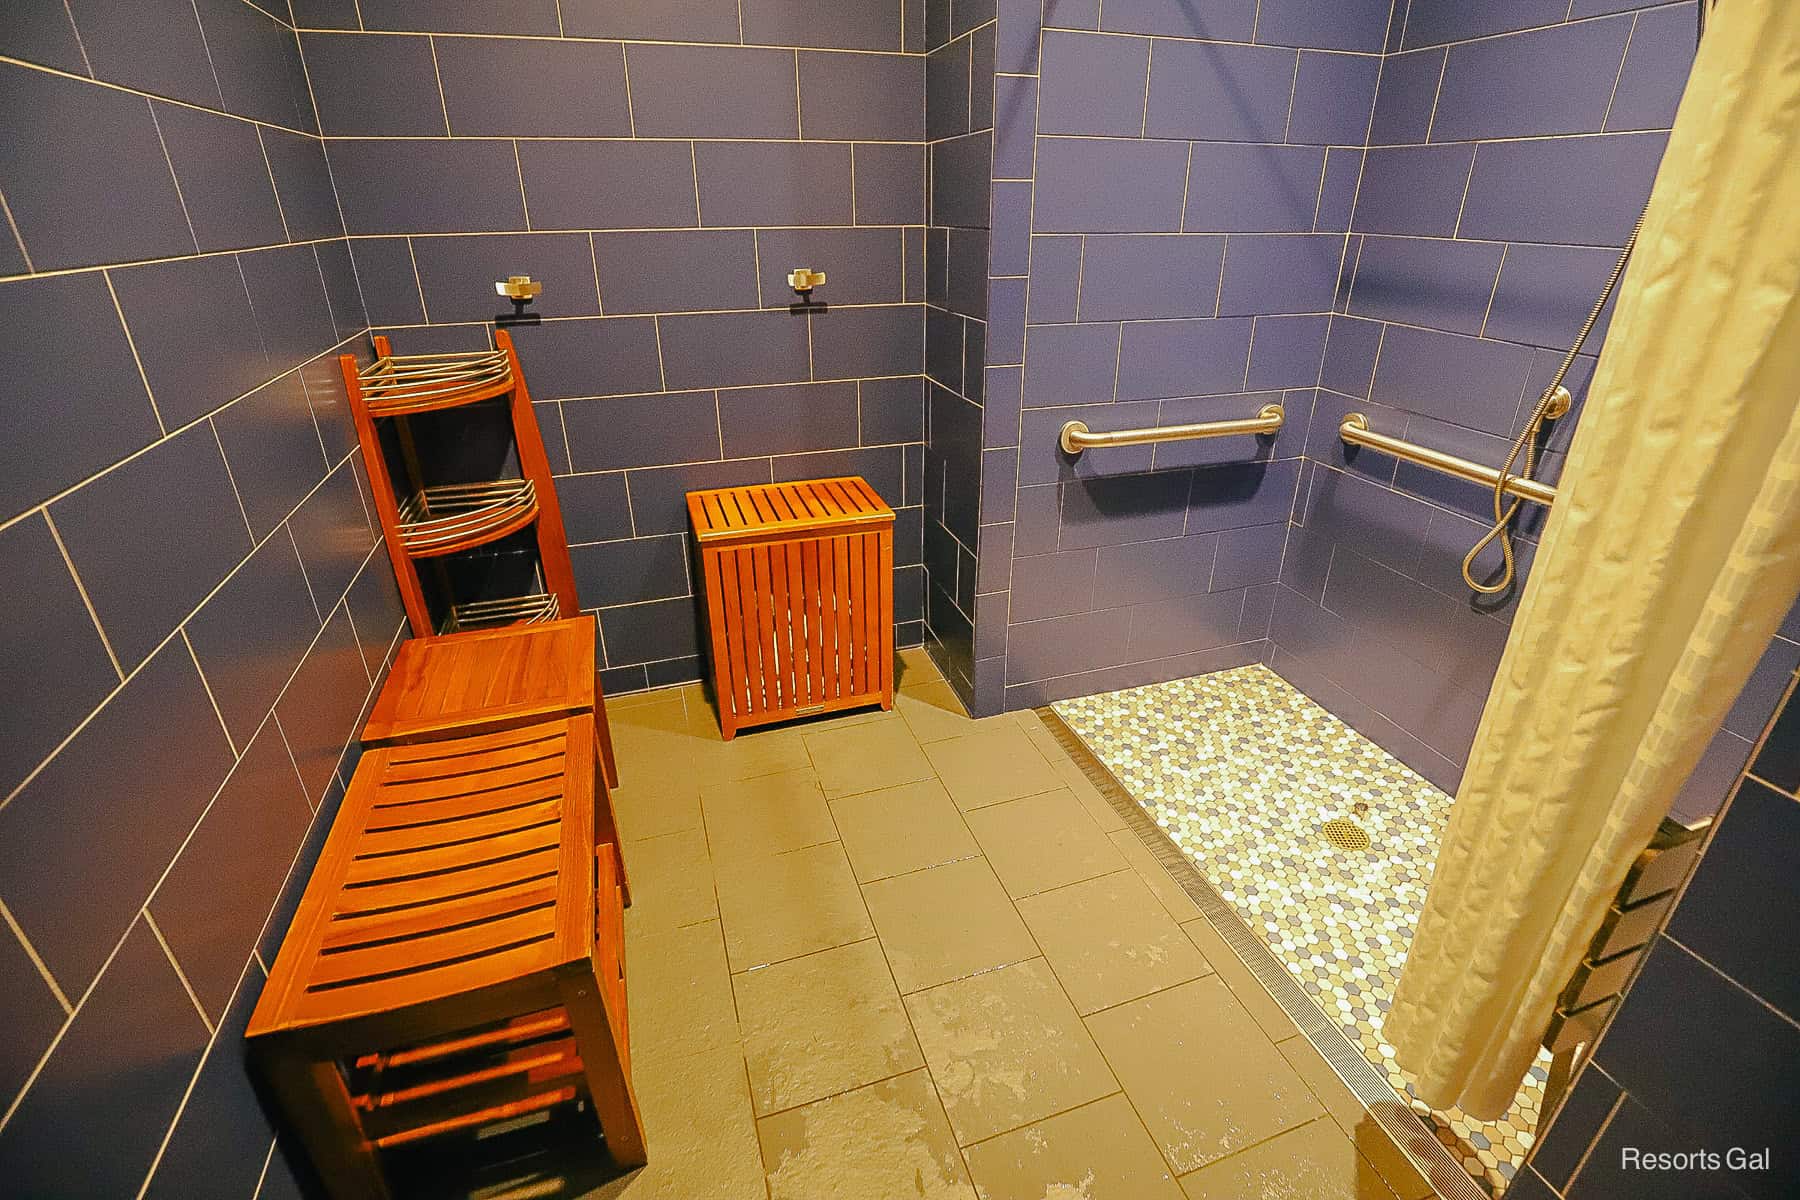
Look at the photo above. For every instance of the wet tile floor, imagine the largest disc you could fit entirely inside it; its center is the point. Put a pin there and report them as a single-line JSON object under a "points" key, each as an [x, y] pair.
{"points": [[1243, 772], [914, 955]]}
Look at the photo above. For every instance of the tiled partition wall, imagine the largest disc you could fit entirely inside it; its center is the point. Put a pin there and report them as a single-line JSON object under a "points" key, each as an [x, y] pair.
{"points": [[194, 610], [660, 168], [1704, 1051], [1173, 187], [1510, 151], [959, 119]]}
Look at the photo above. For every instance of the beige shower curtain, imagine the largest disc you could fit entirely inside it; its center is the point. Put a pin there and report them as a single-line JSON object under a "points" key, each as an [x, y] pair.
{"points": [[1670, 558]]}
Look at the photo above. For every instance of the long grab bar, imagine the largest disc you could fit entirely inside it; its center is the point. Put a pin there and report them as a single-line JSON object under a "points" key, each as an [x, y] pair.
{"points": [[1356, 432], [1076, 436]]}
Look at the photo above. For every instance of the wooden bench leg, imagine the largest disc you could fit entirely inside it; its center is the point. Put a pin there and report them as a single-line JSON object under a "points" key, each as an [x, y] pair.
{"points": [[313, 1097], [608, 1082], [606, 821], [609, 769]]}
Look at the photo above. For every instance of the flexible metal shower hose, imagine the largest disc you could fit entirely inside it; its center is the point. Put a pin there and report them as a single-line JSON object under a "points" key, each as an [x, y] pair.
{"points": [[1526, 442]]}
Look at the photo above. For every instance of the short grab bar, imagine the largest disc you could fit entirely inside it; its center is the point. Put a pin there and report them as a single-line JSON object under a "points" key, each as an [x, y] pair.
{"points": [[1076, 436], [1356, 432]]}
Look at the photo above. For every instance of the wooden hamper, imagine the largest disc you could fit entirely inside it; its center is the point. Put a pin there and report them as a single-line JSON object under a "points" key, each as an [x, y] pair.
{"points": [[799, 582]]}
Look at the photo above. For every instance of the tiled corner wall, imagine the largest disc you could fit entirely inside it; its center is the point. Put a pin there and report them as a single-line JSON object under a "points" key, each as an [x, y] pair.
{"points": [[194, 608], [1492, 206], [660, 169], [1704, 1051], [959, 120], [1173, 188]]}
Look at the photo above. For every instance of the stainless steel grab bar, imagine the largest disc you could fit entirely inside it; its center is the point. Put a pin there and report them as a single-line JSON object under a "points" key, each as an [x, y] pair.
{"points": [[1076, 436], [1355, 431]]}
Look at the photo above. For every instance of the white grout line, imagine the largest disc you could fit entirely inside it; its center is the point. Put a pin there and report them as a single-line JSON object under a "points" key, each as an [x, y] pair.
{"points": [[524, 204], [131, 91], [232, 479], [211, 699], [630, 109], [287, 231], [81, 590], [173, 177], [1623, 56], [1431, 118], [131, 344], [1492, 292], [43, 969], [443, 101], [187, 987]]}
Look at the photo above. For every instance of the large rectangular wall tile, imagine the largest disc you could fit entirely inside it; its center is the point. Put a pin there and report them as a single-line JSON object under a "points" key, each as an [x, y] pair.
{"points": [[787, 419], [332, 532], [1159, 359], [1093, 84], [839, 27], [652, 20], [1546, 292], [1490, 87], [482, 96], [536, 17], [774, 183], [161, 732], [89, 144], [1089, 185], [1126, 508], [947, 109], [1433, 22], [1180, 626], [1413, 189], [608, 185], [427, 185], [734, 349], [643, 431], [102, 412], [225, 183], [1151, 572], [852, 96], [609, 356], [1229, 497], [660, 629], [1431, 282], [1587, 190], [1285, 351], [1070, 364], [863, 266], [456, 275], [889, 183], [157, 48], [1280, 274], [287, 292], [1404, 101], [685, 271], [1252, 189], [138, 1025], [1333, 97], [378, 85], [152, 537], [1656, 67], [303, 184], [959, 180], [256, 59], [883, 339], [1416, 362], [1133, 277], [319, 710], [272, 447], [631, 571], [1216, 92], [1359, 25], [713, 92], [1224, 20]]}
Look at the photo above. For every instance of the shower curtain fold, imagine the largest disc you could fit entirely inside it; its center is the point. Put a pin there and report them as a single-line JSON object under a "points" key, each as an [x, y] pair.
{"points": [[1670, 558]]}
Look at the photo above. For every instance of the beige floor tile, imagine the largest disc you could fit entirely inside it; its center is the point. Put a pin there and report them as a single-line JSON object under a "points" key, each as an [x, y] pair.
{"points": [[1315, 1161], [887, 1141], [913, 665], [788, 905], [1199, 1072], [934, 713], [989, 766], [753, 752], [1042, 842], [1181, 906], [627, 700], [1396, 1170], [822, 1024], [947, 922], [1109, 940], [861, 758], [1104, 814], [770, 814], [1096, 1152], [1269, 1016], [1006, 1048], [900, 829], [650, 806], [679, 991], [663, 711], [699, 1129], [671, 882]]}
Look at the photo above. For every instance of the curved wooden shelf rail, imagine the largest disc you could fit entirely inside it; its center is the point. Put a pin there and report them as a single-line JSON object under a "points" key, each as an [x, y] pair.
{"points": [[452, 517], [399, 385]]}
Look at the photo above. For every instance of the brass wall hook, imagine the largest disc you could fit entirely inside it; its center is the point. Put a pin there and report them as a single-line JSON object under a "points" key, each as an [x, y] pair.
{"points": [[803, 280], [521, 290]]}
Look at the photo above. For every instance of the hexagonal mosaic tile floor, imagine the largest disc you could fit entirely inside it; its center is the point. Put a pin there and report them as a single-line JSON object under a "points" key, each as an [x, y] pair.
{"points": [[1243, 772]]}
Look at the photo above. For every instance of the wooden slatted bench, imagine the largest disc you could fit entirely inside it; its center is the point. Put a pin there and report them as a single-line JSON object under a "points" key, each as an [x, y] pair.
{"points": [[456, 960], [456, 684]]}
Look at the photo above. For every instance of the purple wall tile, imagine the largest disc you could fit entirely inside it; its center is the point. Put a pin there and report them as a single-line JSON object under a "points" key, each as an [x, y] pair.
{"points": [[1285, 351], [841, 27], [598, 357], [427, 186], [1248, 555], [1333, 96], [658, 494], [654, 20], [848, 343], [1585, 190], [947, 71], [889, 183], [1280, 274], [1239, 494], [1348, 25], [1159, 359], [225, 182], [1171, 627], [863, 265], [1109, 186], [461, 16], [1093, 83], [673, 271], [480, 79], [774, 183], [256, 59], [1251, 189], [891, 410], [1431, 282], [375, 85], [1070, 364], [1150, 572], [1064, 645], [272, 447], [1218, 92], [1432, 22], [1337, 192], [1349, 365], [1015, 124], [457, 274], [1010, 223], [595, 507], [1116, 510], [1227, 20], [192, 369], [1006, 321], [1406, 98], [1052, 585], [733, 349], [1493, 88], [1055, 288], [1464, 380], [1135, 277], [787, 419], [1545, 292], [966, 270], [631, 571], [849, 96], [1655, 70], [1208, 452], [1414, 190], [599, 185], [1043, 458]]}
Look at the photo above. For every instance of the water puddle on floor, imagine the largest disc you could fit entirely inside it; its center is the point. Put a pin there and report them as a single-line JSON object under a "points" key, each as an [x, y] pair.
{"points": [[1320, 840]]}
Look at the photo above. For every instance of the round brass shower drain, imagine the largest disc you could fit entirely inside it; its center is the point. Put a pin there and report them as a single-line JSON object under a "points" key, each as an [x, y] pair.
{"points": [[1346, 834]]}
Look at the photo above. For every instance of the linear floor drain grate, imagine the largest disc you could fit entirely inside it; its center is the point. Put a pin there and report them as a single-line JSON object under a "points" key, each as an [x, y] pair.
{"points": [[1346, 834]]}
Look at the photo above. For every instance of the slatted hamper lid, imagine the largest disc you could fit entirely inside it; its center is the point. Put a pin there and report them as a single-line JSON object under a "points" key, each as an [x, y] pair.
{"points": [[810, 507]]}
